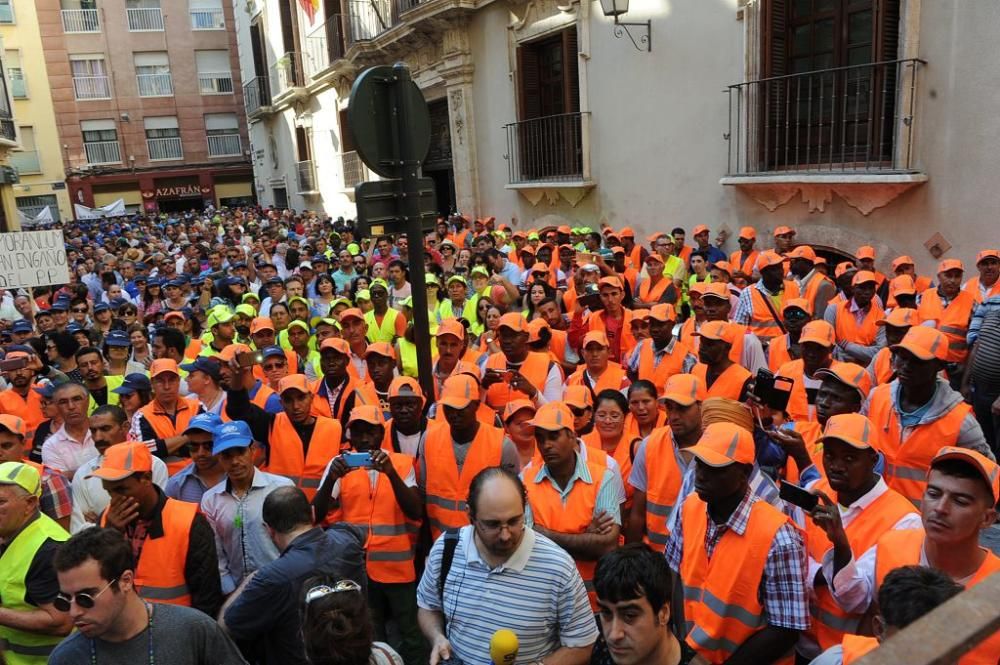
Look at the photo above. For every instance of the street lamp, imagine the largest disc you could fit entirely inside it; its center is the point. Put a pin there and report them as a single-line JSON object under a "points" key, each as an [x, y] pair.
{"points": [[616, 8]]}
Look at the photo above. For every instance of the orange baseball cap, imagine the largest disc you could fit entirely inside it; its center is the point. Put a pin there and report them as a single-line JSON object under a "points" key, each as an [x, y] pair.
{"points": [[228, 354], [662, 312], [865, 252], [698, 230], [174, 314], [639, 316], [852, 428], [820, 261], [540, 268], [405, 386], [769, 258], [261, 323], [338, 344], [819, 332], [748, 233], [626, 232], [611, 281], [579, 396], [901, 261], [163, 365], [863, 277], [294, 382], [925, 343], [798, 303], [451, 327], [900, 317], [515, 406], [535, 328], [722, 444], [697, 288], [122, 460], [12, 424], [618, 249], [684, 389], [381, 349], [950, 264], [513, 320], [459, 390], [719, 330], [654, 258], [653, 237], [595, 337], [553, 416], [564, 229], [527, 249], [984, 465], [352, 312], [849, 374], [368, 413], [783, 231], [902, 285], [715, 290], [843, 267], [724, 266], [803, 252], [987, 254]]}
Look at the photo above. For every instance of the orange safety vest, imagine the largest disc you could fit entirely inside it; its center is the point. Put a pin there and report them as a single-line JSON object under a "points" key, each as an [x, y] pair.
{"points": [[902, 548], [612, 378], [798, 402], [762, 322], [165, 427], [461, 367], [321, 403], [557, 345], [571, 516], [596, 322], [193, 349], [688, 336], [721, 603], [446, 488], [736, 349], [287, 456], [908, 453], [882, 367], [389, 535], [670, 364], [846, 326], [634, 258], [663, 484], [728, 384], [856, 646], [830, 623], [952, 320], [27, 409], [623, 453], [263, 394], [159, 576], [972, 286], [745, 266], [535, 369], [650, 293], [812, 287], [777, 353]]}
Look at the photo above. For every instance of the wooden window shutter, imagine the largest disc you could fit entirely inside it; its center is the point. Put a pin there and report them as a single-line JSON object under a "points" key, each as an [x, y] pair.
{"points": [[346, 138], [528, 93], [571, 73], [775, 42]]}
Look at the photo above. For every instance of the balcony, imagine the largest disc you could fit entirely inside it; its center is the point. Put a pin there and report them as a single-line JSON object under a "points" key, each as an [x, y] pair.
{"points": [[102, 152], [548, 149], [306, 177], [8, 131], [355, 171], [257, 96], [18, 87], [155, 85], [91, 87], [25, 161], [846, 130], [81, 20], [145, 19], [165, 148], [215, 83], [224, 145], [283, 76], [325, 45], [208, 19]]}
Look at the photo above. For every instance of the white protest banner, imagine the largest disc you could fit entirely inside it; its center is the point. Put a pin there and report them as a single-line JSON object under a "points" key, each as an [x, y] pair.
{"points": [[32, 258], [113, 209]]}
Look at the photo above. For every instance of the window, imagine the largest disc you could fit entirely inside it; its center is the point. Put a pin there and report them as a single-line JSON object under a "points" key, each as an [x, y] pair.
{"points": [[100, 142], [207, 15], [32, 206], [152, 74], [144, 15], [280, 197], [90, 77], [80, 16], [223, 131], [214, 73], [25, 160], [163, 138], [15, 75], [6, 12]]}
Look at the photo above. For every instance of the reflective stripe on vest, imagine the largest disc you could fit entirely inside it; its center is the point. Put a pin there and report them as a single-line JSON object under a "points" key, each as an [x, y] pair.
{"points": [[287, 455], [446, 489], [762, 322], [159, 575], [728, 384], [663, 483], [952, 320]]}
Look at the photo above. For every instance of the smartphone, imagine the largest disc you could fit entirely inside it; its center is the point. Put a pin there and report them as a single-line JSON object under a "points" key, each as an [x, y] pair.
{"points": [[797, 496], [13, 364], [246, 358], [773, 391], [357, 460]]}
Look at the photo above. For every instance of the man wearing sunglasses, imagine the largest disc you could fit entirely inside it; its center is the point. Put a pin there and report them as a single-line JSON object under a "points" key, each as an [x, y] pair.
{"points": [[30, 625], [97, 593]]}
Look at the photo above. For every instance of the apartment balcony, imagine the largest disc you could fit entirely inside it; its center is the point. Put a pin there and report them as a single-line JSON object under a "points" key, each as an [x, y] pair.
{"points": [[306, 172], [215, 83], [18, 86], [91, 87], [355, 171], [285, 77], [208, 19], [550, 156], [8, 132], [845, 130], [257, 96], [155, 85], [102, 152], [371, 23], [145, 19], [167, 148], [81, 20], [224, 145], [25, 161], [325, 45]]}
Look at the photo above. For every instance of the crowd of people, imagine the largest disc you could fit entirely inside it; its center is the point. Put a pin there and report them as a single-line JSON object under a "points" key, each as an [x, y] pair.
{"points": [[215, 447]]}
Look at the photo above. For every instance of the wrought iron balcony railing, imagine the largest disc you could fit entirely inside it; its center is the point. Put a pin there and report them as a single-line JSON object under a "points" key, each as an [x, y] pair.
{"points": [[547, 149]]}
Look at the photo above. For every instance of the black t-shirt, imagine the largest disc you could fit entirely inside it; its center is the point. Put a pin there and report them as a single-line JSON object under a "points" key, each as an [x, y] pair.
{"points": [[41, 584]]}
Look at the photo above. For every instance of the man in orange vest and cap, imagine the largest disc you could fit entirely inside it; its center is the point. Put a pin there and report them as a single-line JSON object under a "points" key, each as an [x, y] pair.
{"points": [[855, 321], [161, 423], [517, 372], [720, 375], [452, 344], [613, 320], [987, 284], [814, 286], [817, 343], [760, 304], [662, 355], [949, 309], [747, 349], [959, 503], [598, 372], [172, 542], [895, 325], [741, 561], [904, 265], [334, 392], [745, 260]]}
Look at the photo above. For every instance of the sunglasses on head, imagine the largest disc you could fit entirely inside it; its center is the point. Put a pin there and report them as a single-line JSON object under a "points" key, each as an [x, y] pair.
{"points": [[318, 592], [63, 601]]}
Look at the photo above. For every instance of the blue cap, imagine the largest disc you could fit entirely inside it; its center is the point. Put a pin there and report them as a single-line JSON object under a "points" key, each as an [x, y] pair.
{"points": [[133, 383], [154, 281], [205, 422], [275, 280], [117, 338], [141, 266], [74, 327], [42, 312], [233, 281], [183, 278], [235, 434], [60, 306], [202, 364], [272, 351], [320, 257], [118, 302], [46, 390], [175, 282], [21, 326], [239, 264], [102, 307]]}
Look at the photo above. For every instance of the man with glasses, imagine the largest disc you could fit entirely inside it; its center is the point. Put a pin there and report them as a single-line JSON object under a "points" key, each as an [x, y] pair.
{"points": [[97, 591], [205, 471], [71, 445]]}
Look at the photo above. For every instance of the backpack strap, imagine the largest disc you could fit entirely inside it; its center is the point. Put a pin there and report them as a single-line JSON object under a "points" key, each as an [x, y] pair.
{"points": [[447, 556]]}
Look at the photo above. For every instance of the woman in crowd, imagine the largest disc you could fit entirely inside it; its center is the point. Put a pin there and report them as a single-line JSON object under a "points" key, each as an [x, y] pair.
{"points": [[325, 288], [337, 627], [142, 353]]}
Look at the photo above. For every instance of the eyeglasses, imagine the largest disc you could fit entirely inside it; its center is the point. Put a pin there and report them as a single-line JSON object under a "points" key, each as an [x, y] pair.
{"points": [[80, 310], [318, 592], [496, 526], [606, 417], [63, 601]]}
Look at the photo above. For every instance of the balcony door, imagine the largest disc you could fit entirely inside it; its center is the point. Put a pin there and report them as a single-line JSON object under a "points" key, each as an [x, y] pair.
{"points": [[836, 102]]}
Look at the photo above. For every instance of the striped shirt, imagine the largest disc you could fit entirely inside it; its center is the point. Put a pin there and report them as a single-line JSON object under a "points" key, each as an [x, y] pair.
{"points": [[537, 593], [608, 492]]}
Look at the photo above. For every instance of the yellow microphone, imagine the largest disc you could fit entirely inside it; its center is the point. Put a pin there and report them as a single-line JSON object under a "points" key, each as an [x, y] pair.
{"points": [[503, 647]]}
